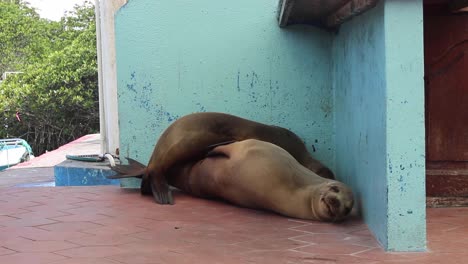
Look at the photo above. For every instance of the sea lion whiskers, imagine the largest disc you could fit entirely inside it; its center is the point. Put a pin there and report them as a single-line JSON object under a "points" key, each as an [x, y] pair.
{"points": [[337, 200]]}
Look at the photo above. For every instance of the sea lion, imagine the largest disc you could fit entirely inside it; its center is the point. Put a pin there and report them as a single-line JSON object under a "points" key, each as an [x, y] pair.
{"points": [[188, 138], [260, 175]]}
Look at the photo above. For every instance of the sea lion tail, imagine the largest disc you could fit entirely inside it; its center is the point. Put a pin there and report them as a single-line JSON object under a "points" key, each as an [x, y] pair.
{"points": [[133, 169]]}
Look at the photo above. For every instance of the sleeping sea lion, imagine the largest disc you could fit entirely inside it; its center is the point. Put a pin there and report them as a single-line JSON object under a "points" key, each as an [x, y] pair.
{"points": [[189, 137], [261, 175]]}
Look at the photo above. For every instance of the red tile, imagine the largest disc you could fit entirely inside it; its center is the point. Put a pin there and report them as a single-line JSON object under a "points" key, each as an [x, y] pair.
{"points": [[338, 238], [26, 245], [200, 235], [91, 252], [28, 258], [380, 255], [55, 206], [104, 240], [121, 229], [344, 259], [203, 254], [10, 232], [92, 217], [70, 226], [28, 221], [85, 261], [6, 251], [6, 218], [17, 202], [170, 239], [44, 235], [11, 210], [272, 244], [138, 258], [231, 218], [447, 246], [43, 213], [106, 228], [429, 258], [126, 220], [333, 249], [257, 230], [322, 228], [156, 246]]}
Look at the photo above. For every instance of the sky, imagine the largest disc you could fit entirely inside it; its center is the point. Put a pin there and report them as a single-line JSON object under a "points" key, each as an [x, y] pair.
{"points": [[53, 9]]}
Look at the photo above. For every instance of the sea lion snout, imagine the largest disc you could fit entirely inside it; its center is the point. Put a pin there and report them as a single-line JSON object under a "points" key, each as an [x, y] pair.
{"points": [[336, 201]]}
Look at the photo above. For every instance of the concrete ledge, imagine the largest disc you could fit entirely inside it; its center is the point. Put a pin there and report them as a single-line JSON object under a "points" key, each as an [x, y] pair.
{"points": [[79, 173], [130, 183]]}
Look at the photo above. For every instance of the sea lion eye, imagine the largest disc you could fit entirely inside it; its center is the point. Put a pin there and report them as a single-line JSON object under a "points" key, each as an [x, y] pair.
{"points": [[335, 189]]}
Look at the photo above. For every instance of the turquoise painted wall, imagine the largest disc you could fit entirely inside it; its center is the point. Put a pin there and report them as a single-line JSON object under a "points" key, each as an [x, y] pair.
{"points": [[379, 116], [355, 97], [359, 87], [406, 173], [177, 57]]}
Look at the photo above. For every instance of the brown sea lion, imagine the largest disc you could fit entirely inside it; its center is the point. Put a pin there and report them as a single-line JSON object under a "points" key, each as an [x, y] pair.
{"points": [[188, 138], [261, 175]]}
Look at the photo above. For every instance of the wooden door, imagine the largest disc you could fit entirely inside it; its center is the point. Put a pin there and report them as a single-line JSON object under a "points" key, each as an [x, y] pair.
{"points": [[446, 76]]}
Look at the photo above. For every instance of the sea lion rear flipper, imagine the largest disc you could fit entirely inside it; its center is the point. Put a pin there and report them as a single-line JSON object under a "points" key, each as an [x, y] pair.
{"points": [[161, 192], [133, 169], [134, 163]]}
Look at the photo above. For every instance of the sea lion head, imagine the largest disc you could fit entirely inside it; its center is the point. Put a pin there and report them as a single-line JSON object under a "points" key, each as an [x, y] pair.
{"points": [[333, 201]]}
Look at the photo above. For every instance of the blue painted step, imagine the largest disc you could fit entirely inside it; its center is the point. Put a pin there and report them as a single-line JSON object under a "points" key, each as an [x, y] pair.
{"points": [[79, 173]]}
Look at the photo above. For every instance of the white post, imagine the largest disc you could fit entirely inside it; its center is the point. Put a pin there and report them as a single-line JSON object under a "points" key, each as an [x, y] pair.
{"points": [[105, 10]]}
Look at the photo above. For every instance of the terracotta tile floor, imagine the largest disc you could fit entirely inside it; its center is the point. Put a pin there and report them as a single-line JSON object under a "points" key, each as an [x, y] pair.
{"points": [[108, 225]]}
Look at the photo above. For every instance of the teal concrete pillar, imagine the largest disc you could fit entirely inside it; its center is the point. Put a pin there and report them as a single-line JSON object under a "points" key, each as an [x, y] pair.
{"points": [[379, 111]]}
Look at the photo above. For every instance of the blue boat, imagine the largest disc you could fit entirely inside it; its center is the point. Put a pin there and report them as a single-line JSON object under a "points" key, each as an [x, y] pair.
{"points": [[14, 151]]}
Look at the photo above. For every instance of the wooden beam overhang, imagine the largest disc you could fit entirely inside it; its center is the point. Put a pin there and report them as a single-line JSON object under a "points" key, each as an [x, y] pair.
{"points": [[458, 6], [322, 13]]}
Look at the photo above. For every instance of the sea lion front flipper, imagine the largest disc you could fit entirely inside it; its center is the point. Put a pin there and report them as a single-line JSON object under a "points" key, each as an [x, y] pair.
{"points": [[161, 192]]}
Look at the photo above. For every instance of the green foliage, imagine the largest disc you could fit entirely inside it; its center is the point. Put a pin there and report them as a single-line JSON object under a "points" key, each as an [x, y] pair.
{"points": [[57, 95], [25, 38]]}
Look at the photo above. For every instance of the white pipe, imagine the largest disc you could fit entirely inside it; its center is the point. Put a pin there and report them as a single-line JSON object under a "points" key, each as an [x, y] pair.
{"points": [[110, 158]]}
